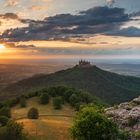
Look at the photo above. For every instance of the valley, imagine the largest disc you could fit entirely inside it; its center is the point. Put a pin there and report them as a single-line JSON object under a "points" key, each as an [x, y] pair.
{"points": [[11, 73]]}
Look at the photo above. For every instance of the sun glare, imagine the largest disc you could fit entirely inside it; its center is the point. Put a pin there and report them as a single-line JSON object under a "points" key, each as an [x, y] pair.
{"points": [[2, 47]]}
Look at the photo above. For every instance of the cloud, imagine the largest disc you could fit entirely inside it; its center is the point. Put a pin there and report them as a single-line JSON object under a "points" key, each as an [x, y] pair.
{"points": [[9, 16], [110, 2], [135, 14], [11, 3], [92, 21], [128, 32], [11, 21], [93, 16], [38, 7], [13, 45]]}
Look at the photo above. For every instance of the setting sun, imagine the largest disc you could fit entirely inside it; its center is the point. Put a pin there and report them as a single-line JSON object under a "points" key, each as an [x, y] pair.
{"points": [[2, 46]]}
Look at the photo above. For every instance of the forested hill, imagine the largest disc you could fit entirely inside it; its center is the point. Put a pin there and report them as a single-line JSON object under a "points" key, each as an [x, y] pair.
{"points": [[110, 87]]}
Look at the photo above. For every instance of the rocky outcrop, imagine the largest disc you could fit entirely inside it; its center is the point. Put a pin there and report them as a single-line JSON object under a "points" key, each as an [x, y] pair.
{"points": [[127, 116]]}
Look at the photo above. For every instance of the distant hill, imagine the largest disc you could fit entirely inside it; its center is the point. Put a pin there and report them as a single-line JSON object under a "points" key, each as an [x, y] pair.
{"points": [[110, 87]]}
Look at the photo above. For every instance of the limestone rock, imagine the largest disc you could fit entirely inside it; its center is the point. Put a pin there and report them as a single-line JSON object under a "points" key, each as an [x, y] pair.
{"points": [[127, 116]]}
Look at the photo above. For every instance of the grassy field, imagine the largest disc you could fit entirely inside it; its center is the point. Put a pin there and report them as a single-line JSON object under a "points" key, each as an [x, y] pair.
{"points": [[54, 127]]}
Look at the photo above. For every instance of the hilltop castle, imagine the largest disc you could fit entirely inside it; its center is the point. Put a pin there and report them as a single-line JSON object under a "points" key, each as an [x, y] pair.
{"points": [[84, 64]]}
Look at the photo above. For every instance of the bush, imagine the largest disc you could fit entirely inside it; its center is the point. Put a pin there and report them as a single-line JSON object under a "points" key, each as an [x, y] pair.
{"points": [[136, 135], [92, 125], [44, 98], [33, 113], [3, 120], [23, 102], [52, 91], [132, 121], [15, 131], [58, 91], [5, 111], [57, 102], [11, 102], [86, 97], [74, 100], [124, 135], [67, 94], [31, 94], [4, 133]]}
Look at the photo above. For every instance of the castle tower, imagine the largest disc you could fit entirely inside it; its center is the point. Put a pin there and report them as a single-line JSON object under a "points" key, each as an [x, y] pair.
{"points": [[84, 64]]}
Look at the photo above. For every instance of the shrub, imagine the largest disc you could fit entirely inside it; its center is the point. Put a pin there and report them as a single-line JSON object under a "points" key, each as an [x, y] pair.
{"points": [[52, 91], [1, 105], [57, 102], [136, 134], [23, 102], [44, 98], [67, 94], [31, 94], [132, 121], [33, 113], [92, 125], [73, 99], [4, 133], [5, 111], [11, 102], [15, 131], [124, 135], [86, 97], [3, 120]]}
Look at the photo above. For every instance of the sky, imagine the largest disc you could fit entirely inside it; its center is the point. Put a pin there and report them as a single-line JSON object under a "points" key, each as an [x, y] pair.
{"points": [[70, 29]]}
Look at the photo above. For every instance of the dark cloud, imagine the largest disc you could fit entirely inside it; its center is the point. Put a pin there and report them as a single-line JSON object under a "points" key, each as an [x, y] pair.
{"points": [[9, 16], [13, 45], [135, 14], [92, 21], [93, 16], [128, 32]]}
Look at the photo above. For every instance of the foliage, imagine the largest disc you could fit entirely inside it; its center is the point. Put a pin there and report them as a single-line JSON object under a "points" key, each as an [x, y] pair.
{"points": [[124, 135], [3, 120], [67, 94], [10, 102], [90, 124], [57, 102], [110, 87], [136, 134], [3, 133], [13, 131], [5, 111], [33, 113], [44, 98], [73, 99], [132, 121], [31, 94], [23, 102]]}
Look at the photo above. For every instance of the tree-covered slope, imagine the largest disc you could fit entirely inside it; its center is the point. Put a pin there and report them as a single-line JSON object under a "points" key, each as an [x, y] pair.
{"points": [[110, 87]]}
